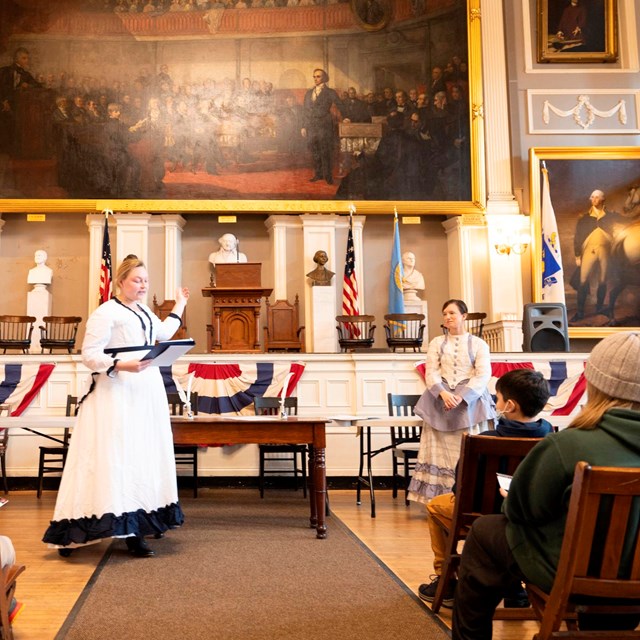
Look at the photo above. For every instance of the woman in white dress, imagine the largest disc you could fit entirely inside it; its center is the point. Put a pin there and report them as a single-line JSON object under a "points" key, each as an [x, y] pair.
{"points": [[119, 479], [456, 400]]}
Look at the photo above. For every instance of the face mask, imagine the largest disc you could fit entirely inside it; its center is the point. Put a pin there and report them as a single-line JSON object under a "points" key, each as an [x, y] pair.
{"points": [[499, 414]]}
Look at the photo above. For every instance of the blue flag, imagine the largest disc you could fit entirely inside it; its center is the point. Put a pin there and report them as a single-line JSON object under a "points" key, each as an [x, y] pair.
{"points": [[396, 300]]}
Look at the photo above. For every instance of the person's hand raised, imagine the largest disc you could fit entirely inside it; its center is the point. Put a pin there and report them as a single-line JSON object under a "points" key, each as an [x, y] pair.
{"points": [[182, 295]]}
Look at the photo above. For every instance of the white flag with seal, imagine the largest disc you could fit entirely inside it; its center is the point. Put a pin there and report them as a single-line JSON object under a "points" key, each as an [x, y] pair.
{"points": [[552, 273]]}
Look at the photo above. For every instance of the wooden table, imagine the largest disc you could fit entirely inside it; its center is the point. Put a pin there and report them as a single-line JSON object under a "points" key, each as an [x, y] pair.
{"points": [[210, 428]]}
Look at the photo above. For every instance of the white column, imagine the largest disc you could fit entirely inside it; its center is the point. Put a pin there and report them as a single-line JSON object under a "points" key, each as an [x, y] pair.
{"points": [[500, 198], [277, 227], [173, 226], [506, 270], [132, 235], [95, 222], [319, 233], [323, 336], [467, 255]]}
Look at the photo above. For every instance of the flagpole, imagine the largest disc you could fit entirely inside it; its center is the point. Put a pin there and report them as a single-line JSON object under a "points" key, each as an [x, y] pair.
{"points": [[106, 272], [396, 273]]}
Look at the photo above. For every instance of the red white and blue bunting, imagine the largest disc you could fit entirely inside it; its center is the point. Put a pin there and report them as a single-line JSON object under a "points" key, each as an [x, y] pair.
{"points": [[566, 381], [231, 388]]}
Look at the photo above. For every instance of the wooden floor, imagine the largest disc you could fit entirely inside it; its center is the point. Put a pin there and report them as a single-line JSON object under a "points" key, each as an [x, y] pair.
{"points": [[50, 586]]}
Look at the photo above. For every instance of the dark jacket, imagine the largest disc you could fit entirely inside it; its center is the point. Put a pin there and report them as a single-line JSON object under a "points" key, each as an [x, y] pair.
{"points": [[541, 487]]}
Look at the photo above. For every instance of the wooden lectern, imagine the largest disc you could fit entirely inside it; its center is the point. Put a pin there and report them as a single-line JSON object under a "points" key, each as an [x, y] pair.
{"points": [[236, 295]]}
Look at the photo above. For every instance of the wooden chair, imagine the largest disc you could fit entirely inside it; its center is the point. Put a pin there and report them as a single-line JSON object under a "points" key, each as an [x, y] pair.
{"points": [[355, 332], [271, 406], [53, 458], [186, 455], [596, 562], [474, 323], [59, 332], [282, 331], [15, 332], [8, 578], [163, 309], [5, 409], [405, 442], [404, 331], [481, 458]]}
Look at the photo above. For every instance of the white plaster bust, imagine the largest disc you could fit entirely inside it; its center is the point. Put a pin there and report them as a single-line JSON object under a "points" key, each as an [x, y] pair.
{"points": [[228, 251], [41, 273], [412, 279]]}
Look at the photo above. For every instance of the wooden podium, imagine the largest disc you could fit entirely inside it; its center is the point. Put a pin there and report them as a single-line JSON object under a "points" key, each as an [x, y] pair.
{"points": [[236, 295]]}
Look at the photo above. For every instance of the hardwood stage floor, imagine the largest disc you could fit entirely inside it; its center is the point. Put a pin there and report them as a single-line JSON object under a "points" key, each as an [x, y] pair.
{"points": [[50, 586]]}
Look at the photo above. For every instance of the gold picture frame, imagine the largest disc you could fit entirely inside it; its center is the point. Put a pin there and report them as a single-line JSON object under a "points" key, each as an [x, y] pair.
{"points": [[585, 32], [373, 15], [86, 50], [574, 174]]}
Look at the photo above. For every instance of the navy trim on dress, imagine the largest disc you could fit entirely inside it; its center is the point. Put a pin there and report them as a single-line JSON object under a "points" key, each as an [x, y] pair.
{"points": [[137, 523]]}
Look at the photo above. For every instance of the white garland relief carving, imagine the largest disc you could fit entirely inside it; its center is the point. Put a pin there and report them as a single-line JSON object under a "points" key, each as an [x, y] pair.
{"points": [[584, 113]]}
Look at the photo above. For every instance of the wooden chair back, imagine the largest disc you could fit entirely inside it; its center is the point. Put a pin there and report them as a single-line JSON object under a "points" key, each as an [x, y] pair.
{"points": [[59, 332], [355, 332], [8, 583], [474, 323], [176, 406], [271, 406], [283, 331], [163, 309], [5, 410], [477, 491], [71, 410], [404, 330], [600, 555], [15, 332]]}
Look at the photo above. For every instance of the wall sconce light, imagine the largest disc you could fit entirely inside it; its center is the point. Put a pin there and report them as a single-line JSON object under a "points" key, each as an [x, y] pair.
{"points": [[512, 242]]}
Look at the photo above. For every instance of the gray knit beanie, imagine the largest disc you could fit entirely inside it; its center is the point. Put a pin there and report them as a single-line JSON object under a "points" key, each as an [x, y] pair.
{"points": [[614, 366]]}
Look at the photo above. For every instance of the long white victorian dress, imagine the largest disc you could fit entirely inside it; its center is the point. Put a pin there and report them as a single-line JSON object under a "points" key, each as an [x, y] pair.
{"points": [[119, 479], [460, 364]]}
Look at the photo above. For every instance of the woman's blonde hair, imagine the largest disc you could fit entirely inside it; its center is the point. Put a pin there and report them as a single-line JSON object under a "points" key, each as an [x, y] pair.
{"points": [[130, 263], [597, 403]]}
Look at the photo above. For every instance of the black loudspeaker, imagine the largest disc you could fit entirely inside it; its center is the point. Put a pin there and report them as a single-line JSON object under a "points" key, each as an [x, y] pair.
{"points": [[544, 327]]}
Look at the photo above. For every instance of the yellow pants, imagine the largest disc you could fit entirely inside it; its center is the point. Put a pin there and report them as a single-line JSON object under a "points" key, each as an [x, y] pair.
{"points": [[442, 506]]}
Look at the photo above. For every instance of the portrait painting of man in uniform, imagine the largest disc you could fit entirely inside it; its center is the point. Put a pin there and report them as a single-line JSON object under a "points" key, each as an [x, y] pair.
{"points": [[596, 201], [208, 104]]}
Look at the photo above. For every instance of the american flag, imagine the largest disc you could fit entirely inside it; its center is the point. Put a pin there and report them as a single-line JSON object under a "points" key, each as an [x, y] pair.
{"points": [[105, 265], [350, 284]]}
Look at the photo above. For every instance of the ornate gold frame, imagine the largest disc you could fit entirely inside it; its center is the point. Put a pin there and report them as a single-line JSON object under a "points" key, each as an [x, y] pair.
{"points": [[609, 34], [477, 204], [610, 178]]}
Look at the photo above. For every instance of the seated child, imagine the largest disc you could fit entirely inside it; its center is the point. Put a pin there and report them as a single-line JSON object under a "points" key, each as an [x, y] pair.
{"points": [[521, 395]]}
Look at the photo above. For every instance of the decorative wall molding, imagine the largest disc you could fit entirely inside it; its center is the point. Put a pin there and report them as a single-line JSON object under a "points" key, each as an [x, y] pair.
{"points": [[570, 111]]}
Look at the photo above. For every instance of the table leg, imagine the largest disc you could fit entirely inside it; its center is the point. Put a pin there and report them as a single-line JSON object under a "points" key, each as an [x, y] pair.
{"points": [[360, 468], [318, 490], [372, 494]]}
